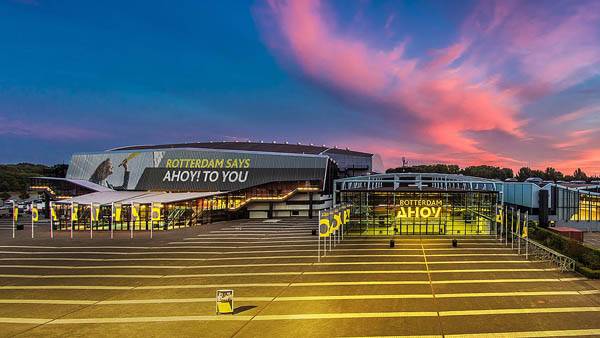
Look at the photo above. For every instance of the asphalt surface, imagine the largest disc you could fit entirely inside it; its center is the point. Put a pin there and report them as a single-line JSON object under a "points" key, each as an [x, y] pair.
{"points": [[166, 286]]}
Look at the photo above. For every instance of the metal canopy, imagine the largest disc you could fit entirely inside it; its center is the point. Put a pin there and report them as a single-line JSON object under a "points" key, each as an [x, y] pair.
{"points": [[142, 197]]}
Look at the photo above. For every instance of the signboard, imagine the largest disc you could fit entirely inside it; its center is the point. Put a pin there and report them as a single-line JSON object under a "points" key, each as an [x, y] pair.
{"points": [[193, 170], [324, 229], [419, 208], [135, 212], [95, 211], [224, 301], [117, 212], [337, 219], [53, 211], [35, 215], [499, 214], [74, 211], [155, 215]]}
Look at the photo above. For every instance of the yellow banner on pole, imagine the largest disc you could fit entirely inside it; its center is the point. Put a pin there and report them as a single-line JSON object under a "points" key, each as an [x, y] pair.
{"points": [[324, 229], [74, 211], [135, 212], [34, 213], [95, 212], [15, 212], [53, 213], [156, 211], [117, 212]]}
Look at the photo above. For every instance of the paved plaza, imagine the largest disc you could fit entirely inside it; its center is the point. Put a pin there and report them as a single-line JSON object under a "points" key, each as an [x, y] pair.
{"points": [[166, 286]]}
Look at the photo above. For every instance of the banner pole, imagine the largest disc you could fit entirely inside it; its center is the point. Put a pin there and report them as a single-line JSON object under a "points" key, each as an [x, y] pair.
{"points": [[112, 218], [512, 228], [330, 234], [17, 211], [51, 220], [31, 220], [525, 225], [91, 220], [71, 220], [319, 239], [132, 222], [519, 230], [506, 223]]}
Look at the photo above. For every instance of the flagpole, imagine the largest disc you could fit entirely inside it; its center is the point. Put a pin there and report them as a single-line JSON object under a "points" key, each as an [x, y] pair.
{"points": [[71, 220], [112, 218], [519, 230], [527, 235], [319, 239], [51, 220], [512, 228], [151, 219], [91, 220], [506, 223], [14, 216], [31, 220], [130, 217]]}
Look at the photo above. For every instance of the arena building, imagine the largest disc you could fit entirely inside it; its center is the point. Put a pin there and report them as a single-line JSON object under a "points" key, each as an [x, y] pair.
{"points": [[197, 183]]}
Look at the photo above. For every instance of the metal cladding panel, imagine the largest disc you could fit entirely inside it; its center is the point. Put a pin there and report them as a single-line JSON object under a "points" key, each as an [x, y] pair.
{"points": [[194, 170]]}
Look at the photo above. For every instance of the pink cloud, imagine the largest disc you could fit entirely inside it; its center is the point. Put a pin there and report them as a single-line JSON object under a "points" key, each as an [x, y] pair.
{"points": [[453, 91], [576, 114]]}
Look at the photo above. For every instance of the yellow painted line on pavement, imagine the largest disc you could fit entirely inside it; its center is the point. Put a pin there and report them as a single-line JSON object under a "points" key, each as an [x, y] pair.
{"points": [[346, 315], [590, 292], [80, 276], [179, 300], [211, 286], [519, 311], [508, 294], [353, 297], [79, 267], [426, 282], [419, 249], [151, 287], [148, 319], [65, 287], [23, 320], [48, 301], [529, 334], [85, 267], [519, 280], [235, 274], [411, 282], [308, 316], [186, 253], [496, 270]]}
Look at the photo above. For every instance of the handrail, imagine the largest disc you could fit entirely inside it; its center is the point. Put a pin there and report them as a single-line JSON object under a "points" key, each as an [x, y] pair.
{"points": [[543, 253]]}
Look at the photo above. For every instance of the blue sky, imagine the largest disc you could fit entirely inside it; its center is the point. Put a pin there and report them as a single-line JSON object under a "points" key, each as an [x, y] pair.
{"points": [[435, 81]]}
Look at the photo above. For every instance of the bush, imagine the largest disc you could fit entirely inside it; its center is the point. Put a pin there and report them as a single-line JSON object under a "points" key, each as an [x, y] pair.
{"points": [[587, 258]]}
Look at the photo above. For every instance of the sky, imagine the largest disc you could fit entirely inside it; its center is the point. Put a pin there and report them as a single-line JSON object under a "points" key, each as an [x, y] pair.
{"points": [[503, 83]]}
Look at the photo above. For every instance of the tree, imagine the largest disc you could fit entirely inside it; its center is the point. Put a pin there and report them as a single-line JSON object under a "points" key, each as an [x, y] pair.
{"points": [[4, 196], [524, 173], [579, 175], [552, 174], [24, 195]]}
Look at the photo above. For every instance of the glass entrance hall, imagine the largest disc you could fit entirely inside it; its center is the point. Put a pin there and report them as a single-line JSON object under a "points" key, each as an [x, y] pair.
{"points": [[419, 204], [421, 213]]}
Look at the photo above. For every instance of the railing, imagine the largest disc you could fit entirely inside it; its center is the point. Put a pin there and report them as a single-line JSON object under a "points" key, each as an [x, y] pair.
{"points": [[542, 253]]}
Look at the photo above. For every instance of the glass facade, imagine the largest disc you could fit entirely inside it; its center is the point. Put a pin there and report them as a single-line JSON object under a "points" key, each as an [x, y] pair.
{"points": [[182, 214], [577, 205], [421, 213]]}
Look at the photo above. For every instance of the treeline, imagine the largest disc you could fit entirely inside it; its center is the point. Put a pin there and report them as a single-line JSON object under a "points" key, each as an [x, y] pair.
{"points": [[486, 171], [15, 177]]}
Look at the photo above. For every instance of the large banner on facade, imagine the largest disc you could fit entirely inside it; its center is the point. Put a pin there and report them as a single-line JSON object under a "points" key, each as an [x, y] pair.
{"points": [[193, 170]]}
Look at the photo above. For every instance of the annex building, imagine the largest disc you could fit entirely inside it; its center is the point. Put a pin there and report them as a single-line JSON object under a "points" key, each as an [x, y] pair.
{"points": [[198, 183]]}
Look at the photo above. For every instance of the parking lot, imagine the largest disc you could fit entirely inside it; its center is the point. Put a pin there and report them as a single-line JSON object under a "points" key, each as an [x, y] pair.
{"points": [[362, 288]]}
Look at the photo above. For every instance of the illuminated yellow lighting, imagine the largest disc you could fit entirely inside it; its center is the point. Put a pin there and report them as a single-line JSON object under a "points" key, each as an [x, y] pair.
{"points": [[273, 198]]}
